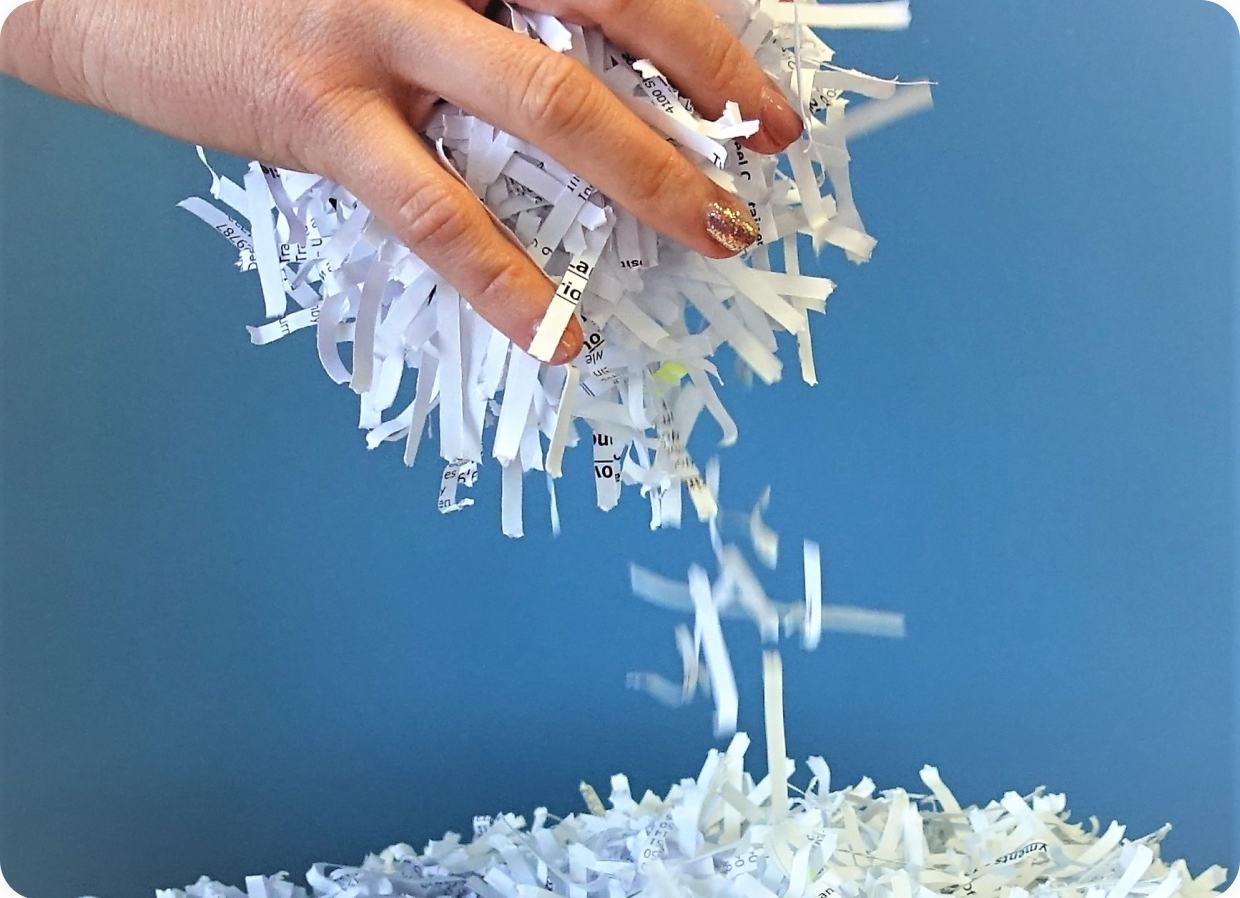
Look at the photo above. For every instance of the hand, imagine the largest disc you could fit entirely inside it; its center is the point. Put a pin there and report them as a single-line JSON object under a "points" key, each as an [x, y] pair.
{"points": [[339, 87]]}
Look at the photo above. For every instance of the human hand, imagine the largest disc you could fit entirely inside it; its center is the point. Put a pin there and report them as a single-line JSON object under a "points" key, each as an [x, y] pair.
{"points": [[339, 87]]}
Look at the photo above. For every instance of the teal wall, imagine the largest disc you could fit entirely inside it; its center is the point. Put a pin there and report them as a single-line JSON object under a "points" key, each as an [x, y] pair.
{"points": [[233, 641]]}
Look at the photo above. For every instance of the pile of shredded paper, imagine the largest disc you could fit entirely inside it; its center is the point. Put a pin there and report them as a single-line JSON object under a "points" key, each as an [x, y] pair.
{"points": [[720, 835], [653, 313]]}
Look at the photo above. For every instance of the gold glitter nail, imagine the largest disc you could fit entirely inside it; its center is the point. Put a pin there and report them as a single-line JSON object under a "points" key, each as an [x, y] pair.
{"points": [[730, 227]]}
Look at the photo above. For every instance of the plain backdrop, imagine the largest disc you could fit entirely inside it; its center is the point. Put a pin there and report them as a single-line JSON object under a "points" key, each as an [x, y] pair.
{"points": [[233, 641]]}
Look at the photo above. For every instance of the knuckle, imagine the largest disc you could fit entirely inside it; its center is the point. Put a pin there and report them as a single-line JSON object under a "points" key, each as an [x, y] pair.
{"points": [[333, 140], [723, 59], [310, 102], [665, 177], [336, 23], [321, 118], [560, 96], [615, 10], [498, 285], [316, 80], [431, 219]]}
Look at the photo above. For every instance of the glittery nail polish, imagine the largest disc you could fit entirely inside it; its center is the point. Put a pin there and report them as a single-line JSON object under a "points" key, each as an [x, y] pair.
{"points": [[730, 226]]}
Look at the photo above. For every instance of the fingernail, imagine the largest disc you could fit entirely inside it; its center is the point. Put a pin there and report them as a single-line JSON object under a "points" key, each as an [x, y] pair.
{"points": [[778, 118], [731, 226], [568, 348]]}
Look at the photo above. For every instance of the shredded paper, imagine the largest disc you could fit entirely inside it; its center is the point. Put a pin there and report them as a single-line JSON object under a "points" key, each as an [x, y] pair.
{"points": [[721, 835], [653, 313], [737, 592]]}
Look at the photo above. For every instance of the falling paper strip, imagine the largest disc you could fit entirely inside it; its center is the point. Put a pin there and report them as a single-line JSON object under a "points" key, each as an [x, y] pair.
{"points": [[653, 313], [737, 592]]}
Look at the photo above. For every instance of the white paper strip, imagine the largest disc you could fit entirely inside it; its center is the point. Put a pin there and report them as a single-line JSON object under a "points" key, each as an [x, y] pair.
{"points": [[893, 14]]}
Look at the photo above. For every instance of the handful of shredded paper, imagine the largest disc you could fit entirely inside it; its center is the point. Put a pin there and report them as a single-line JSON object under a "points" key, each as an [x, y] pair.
{"points": [[653, 313], [720, 835]]}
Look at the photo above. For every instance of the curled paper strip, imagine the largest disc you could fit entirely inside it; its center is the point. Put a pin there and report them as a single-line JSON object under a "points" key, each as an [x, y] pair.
{"points": [[724, 835], [654, 314]]}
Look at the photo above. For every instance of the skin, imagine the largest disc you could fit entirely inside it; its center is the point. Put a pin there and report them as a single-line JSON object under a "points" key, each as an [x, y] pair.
{"points": [[339, 88]]}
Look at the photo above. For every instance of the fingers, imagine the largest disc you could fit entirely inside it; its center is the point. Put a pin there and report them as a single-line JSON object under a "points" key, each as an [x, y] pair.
{"points": [[551, 101], [704, 60], [380, 159], [699, 55]]}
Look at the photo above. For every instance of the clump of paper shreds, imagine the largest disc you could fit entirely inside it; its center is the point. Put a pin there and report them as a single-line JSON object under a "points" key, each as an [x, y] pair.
{"points": [[653, 313], [720, 835]]}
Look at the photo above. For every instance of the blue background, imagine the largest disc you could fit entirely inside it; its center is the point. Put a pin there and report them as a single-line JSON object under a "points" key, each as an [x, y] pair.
{"points": [[234, 642]]}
